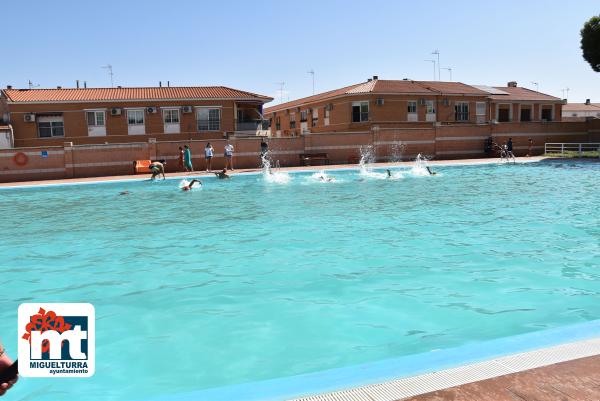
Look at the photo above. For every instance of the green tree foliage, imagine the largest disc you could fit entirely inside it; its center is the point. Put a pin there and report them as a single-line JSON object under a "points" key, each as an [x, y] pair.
{"points": [[590, 42]]}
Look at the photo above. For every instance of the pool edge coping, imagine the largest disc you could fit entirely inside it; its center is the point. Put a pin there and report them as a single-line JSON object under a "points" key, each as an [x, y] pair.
{"points": [[418, 372]]}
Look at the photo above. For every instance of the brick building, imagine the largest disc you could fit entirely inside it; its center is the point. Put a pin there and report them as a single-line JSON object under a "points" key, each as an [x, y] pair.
{"points": [[46, 117], [580, 111], [410, 104]]}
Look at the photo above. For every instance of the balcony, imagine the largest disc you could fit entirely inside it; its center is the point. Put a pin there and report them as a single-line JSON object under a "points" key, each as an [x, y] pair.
{"points": [[251, 127]]}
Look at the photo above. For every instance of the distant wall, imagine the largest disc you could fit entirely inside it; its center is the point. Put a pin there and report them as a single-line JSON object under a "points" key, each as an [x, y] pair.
{"points": [[441, 142]]}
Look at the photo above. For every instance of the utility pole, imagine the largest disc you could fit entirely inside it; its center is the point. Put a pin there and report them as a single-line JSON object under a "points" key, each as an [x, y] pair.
{"points": [[449, 69], [281, 84], [432, 61], [437, 52], [110, 72], [312, 72]]}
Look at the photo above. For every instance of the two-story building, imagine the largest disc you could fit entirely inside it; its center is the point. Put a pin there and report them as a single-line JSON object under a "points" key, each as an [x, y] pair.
{"points": [[45, 117], [410, 104]]}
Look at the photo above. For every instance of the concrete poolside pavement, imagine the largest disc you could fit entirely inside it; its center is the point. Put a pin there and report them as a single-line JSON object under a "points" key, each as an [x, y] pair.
{"points": [[576, 380], [257, 169]]}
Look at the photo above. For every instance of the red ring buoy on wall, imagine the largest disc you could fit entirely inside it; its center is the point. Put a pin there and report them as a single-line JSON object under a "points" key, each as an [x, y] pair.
{"points": [[20, 159]]}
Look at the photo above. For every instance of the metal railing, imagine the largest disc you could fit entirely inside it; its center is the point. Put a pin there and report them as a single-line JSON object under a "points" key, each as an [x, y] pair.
{"points": [[573, 149]]}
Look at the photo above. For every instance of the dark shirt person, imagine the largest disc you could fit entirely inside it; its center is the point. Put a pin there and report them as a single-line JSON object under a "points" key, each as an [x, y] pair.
{"points": [[264, 148], [429, 171], [222, 175], [509, 145], [5, 363]]}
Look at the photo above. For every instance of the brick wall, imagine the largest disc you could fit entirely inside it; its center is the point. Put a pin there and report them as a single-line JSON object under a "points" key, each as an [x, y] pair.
{"points": [[386, 143]]}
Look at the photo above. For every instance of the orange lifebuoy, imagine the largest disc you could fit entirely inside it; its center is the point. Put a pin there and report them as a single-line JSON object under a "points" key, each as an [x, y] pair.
{"points": [[20, 159]]}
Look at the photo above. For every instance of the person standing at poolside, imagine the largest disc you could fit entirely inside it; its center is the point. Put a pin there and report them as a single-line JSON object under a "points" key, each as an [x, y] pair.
{"points": [[181, 158], [208, 154], [229, 156], [5, 363], [530, 147], [187, 159]]}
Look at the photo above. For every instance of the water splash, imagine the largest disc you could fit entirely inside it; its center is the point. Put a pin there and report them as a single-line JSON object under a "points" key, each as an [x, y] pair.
{"points": [[397, 152], [185, 183], [420, 166], [321, 176], [278, 176]]}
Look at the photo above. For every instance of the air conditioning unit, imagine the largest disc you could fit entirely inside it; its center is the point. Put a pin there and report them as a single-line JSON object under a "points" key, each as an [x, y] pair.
{"points": [[187, 109], [422, 102], [494, 121], [151, 110], [380, 102], [29, 118], [115, 111]]}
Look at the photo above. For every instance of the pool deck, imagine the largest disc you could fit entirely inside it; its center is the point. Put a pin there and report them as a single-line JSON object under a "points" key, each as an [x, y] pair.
{"points": [[577, 380], [255, 170]]}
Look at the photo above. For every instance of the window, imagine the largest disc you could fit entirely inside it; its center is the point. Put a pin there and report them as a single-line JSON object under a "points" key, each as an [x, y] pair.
{"points": [[525, 114], [480, 108], [412, 107], [303, 116], [277, 123], [171, 116], [292, 120], [429, 105], [360, 112], [48, 129], [461, 111], [135, 117], [315, 117], [547, 114], [95, 118], [326, 119], [50, 126], [208, 119]]}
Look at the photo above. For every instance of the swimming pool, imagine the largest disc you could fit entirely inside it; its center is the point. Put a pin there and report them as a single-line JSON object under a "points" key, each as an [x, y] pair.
{"points": [[253, 278]]}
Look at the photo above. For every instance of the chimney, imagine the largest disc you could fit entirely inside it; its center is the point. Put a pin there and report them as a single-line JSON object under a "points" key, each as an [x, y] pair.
{"points": [[119, 87], [168, 83], [85, 84], [8, 86], [59, 87], [587, 102], [375, 77], [160, 84], [369, 79], [77, 84], [512, 84]]}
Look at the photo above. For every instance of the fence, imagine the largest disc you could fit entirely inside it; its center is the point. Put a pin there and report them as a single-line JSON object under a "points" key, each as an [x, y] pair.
{"points": [[573, 149]]}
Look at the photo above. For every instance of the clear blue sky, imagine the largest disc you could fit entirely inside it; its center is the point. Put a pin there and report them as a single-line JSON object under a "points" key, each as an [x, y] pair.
{"points": [[253, 44]]}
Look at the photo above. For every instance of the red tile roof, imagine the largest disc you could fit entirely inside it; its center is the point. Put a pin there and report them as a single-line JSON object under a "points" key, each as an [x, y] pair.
{"points": [[388, 87], [581, 107], [523, 94], [128, 94]]}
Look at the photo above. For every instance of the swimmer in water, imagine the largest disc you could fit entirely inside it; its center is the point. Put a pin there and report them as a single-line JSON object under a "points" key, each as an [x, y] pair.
{"points": [[389, 173], [191, 185], [325, 179], [124, 193], [222, 175], [429, 171]]}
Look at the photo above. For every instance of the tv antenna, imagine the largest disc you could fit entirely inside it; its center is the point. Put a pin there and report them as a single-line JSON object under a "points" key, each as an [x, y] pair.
{"points": [[110, 72], [281, 84], [312, 72]]}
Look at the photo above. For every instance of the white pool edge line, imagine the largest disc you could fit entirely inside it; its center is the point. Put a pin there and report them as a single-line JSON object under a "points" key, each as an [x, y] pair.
{"points": [[258, 171], [394, 390]]}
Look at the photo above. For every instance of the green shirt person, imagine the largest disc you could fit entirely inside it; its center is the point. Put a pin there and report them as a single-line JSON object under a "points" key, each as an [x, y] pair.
{"points": [[187, 159]]}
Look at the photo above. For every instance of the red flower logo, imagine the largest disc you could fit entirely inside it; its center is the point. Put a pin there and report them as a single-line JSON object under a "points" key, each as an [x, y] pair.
{"points": [[44, 321]]}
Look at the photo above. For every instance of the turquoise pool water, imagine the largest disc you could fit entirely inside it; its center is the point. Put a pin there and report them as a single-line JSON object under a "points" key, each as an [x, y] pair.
{"points": [[254, 279]]}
